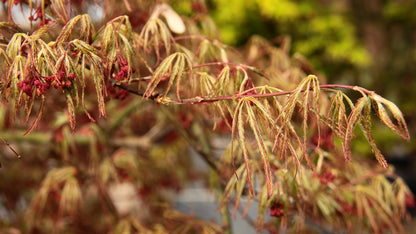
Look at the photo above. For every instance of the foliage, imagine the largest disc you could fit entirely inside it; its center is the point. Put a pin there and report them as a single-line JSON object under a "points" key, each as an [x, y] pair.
{"points": [[127, 104], [367, 43]]}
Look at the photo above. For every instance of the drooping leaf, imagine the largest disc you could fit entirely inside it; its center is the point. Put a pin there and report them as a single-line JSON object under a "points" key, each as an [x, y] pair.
{"points": [[85, 32], [71, 199], [400, 126], [154, 33], [366, 128], [171, 68], [337, 115], [353, 118], [71, 111], [261, 145], [38, 116]]}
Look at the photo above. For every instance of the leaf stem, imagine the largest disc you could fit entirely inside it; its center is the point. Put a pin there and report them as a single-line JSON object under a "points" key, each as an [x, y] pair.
{"points": [[208, 99], [203, 100]]}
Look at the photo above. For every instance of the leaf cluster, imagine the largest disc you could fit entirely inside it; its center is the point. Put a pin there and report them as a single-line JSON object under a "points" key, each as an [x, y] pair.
{"points": [[289, 134]]}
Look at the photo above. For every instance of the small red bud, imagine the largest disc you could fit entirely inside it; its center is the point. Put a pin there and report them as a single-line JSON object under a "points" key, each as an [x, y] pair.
{"points": [[60, 75], [71, 76], [277, 210], [68, 84], [119, 76], [75, 53], [409, 200], [125, 68]]}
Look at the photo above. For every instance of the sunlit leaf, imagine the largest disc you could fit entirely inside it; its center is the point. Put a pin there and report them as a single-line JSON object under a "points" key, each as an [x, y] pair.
{"points": [[153, 34], [400, 127], [366, 128], [172, 68], [85, 32], [353, 118]]}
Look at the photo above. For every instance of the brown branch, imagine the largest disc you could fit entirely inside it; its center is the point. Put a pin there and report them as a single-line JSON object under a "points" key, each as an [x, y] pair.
{"points": [[204, 100], [11, 148]]}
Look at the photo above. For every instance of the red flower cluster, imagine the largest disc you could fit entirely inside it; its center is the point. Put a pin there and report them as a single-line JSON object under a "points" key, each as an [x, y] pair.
{"points": [[324, 139], [42, 84], [325, 177], [276, 210], [27, 86], [38, 15], [124, 69], [347, 209], [121, 75], [61, 79], [117, 94]]}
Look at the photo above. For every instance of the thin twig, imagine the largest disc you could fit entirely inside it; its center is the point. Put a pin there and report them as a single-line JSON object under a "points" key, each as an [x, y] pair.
{"points": [[11, 148], [204, 100]]}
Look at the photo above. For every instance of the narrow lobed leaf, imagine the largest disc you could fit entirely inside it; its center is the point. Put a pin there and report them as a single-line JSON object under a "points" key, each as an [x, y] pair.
{"points": [[353, 118], [400, 127]]}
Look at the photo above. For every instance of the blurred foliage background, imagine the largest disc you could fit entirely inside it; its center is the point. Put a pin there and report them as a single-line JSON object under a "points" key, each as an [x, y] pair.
{"points": [[367, 43]]}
